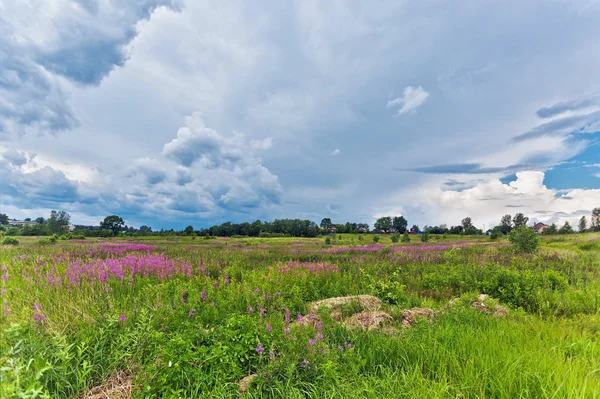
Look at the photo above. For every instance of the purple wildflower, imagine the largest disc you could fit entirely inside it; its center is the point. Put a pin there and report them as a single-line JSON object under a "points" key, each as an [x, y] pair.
{"points": [[192, 312], [319, 336], [269, 327], [123, 318], [286, 330], [263, 312], [306, 364], [250, 310], [312, 342], [203, 295], [260, 349]]}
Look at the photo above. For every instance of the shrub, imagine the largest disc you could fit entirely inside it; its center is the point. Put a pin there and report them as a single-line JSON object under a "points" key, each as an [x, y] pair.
{"points": [[10, 241], [524, 240], [339, 237], [405, 237], [375, 239], [395, 237], [360, 237], [496, 233], [425, 237], [328, 241]]}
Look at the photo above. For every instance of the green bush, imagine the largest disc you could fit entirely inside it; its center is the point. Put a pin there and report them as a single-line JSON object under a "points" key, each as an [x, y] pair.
{"points": [[405, 237], [375, 239], [496, 233], [425, 237], [524, 240], [327, 240], [10, 241], [395, 237]]}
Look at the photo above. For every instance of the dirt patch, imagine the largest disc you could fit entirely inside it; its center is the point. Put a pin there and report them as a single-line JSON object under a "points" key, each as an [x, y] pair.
{"points": [[117, 386], [483, 305], [369, 320], [245, 383], [409, 316]]}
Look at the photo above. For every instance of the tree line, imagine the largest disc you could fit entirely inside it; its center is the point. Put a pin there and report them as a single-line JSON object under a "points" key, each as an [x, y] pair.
{"points": [[58, 223]]}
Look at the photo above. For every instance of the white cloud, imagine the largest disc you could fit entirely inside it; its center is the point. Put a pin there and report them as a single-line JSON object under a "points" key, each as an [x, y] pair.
{"points": [[335, 152], [487, 201], [412, 99]]}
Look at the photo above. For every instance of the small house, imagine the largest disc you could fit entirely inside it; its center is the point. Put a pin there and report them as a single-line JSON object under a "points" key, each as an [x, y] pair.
{"points": [[540, 227]]}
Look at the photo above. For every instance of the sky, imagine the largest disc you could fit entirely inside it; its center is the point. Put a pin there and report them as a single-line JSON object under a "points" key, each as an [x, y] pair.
{"points": [[175, 112]]}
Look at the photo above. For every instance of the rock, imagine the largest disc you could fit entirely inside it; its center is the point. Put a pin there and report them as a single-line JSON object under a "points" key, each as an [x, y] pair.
{"points": [[368, 302], [409, 316], [245, 383], [369, 320], [494, 310]]}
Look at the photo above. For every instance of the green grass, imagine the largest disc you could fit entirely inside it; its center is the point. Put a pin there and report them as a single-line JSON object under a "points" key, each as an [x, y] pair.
{"points": [[184, 336]]}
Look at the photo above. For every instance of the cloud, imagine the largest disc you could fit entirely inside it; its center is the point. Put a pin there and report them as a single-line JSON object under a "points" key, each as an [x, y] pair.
{"points": [[15, 157], [562, 127], [335, 152], [487, 201], [218, 174], [116, 80], [565, 106], [45, 47], [412, 99]]}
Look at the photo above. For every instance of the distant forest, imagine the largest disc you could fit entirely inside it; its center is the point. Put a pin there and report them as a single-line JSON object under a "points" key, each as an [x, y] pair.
{"points": [[58, 223]]}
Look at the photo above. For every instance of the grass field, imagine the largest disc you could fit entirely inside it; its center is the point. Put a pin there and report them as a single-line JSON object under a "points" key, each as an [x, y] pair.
{"points": [[186, 318]]}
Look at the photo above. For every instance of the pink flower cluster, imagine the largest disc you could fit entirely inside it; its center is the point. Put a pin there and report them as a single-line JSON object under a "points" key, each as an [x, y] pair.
{"points": [[423, 248], [128, 267], [368, 248]]}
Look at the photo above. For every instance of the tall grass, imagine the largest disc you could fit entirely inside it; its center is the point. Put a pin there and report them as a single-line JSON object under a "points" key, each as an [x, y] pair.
{"points": [[189, 318]]}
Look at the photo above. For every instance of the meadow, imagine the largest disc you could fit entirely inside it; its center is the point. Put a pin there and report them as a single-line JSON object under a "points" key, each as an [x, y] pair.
{"points": [[187, 317]]}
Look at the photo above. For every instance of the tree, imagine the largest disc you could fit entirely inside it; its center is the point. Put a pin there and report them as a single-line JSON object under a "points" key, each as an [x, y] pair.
{"points": [[399, 224], [113, 223], [189, 230], [384, 224], [565, 229], [506, 224], [425, 237], [415, 228], [396, 237], [520, 220], [27, 220], [596, 219], [40, 220], [551, 230], [456, 230], [326, 224], [145, 229], [524, 240], [3, 219], [496, 233], [466, 223], [582, 224], [58, 222]]}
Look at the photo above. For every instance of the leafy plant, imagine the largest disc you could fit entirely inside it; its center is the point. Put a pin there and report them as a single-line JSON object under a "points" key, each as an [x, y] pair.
{"points": [[524, 240], [10, 241]]}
